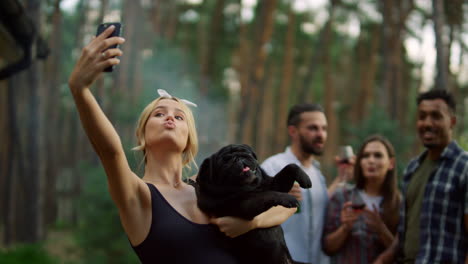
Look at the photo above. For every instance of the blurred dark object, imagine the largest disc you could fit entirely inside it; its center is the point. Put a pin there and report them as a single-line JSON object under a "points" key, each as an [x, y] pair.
{"points": [[20, 42]]}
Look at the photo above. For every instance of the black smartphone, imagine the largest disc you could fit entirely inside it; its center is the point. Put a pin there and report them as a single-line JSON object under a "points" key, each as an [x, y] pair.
{"points": [[116, 33]]}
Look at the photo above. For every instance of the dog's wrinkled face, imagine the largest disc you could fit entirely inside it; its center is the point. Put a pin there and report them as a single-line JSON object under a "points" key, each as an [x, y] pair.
{"points": [[233, 165]]}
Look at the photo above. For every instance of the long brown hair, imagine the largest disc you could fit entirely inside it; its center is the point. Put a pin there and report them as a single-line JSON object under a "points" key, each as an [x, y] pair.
{"points": [[389, 189]]}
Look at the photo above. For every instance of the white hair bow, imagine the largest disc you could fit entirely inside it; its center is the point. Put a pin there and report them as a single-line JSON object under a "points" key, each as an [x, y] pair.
{"points": [[165, 94]]}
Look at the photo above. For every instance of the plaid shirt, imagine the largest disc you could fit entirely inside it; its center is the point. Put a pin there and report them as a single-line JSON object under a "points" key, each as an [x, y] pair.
{"points": [[362, 246], [443, 237]]}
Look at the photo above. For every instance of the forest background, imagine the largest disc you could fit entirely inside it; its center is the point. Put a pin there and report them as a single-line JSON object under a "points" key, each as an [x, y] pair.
{"points": [[244, 63]]}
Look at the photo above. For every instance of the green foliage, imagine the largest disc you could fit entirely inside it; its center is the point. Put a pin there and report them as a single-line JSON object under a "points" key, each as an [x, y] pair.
{"points": [[99, 232], [167, 73], [463, 141], [28, 253], [378, 122]]}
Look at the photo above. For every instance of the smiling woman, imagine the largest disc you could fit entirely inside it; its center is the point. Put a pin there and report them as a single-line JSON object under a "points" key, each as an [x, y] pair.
{"points": [[360, 234]]}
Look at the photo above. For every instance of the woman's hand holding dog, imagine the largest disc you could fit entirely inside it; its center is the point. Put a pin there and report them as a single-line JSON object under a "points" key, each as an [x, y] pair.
{"points": [[234, 226]]}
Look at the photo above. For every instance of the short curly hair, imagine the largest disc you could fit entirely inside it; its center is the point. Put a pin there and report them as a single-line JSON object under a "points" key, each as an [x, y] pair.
{"points": [[444, 95]]}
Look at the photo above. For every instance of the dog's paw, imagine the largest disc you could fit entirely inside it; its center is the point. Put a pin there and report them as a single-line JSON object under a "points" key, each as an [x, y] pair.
{"points": [[301, 177], [288, 201], [304, 182]]}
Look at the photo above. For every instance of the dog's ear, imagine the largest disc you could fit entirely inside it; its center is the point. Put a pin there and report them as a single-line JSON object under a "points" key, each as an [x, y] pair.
{"points": [[250, 150], [262, 173], [204, 173], [221, 154]]}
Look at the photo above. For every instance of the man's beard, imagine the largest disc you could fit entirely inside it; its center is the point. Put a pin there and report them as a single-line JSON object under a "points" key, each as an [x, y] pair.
{"points": [[429, 145], [308, 147]]}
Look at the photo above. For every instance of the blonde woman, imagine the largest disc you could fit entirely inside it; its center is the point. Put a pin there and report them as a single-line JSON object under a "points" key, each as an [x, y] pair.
{"points": [[158, 211]]}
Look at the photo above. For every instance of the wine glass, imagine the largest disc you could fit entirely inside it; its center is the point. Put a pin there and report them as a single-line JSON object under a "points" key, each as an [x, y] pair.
{"points": [[358, 204], [345, 154], [345, 164]]}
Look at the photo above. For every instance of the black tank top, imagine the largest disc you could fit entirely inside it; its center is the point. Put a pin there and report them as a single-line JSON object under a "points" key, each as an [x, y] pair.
{"points": [[173, 239]]}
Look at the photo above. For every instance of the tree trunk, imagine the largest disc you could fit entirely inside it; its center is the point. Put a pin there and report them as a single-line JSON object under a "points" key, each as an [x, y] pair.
{"points": [[4, 148], [82, 11], [461, 94], [441, 81], [264, 29], [13, 147], [125, 68], [173, 21], [395, 14], [367, 54], [164, 18], [281, 136], [453, 17], [242, 69], [209, 51], [304, 94], [69, 119], [72, 143], [299, 85], [127, 79], [32, 231], [155, 12], [52, 104], [265, 131], [329, 88], [237, 80]]}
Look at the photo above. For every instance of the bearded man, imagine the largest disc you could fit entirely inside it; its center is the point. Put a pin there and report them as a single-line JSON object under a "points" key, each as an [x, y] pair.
{"points": [[307, 129]]}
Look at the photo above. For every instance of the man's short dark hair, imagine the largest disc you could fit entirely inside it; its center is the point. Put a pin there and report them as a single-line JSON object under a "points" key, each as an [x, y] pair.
{"points": [[444, 95], [294, 116]]}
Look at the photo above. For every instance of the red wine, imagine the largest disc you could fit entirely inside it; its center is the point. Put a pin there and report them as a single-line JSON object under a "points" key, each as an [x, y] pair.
{"points": [[358, 206], [344, 161]]}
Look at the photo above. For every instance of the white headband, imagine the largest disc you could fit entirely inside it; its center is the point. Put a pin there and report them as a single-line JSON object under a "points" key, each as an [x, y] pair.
{"points": [[164, 94]]}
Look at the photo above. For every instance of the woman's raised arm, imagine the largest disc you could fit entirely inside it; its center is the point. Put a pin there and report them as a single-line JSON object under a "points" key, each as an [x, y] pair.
{"points": [[123, 183]]}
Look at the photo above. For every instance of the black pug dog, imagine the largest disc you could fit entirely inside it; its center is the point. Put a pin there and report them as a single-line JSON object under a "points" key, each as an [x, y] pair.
{"points": [[231, 183]]}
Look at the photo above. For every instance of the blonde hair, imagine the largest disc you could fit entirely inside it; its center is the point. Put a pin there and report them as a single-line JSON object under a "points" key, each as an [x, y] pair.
{"points": [[191, 148]]}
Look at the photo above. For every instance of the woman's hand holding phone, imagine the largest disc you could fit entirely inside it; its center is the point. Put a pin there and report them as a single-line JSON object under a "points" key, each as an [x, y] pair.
{"points": [[115, 33], [95, 58]]}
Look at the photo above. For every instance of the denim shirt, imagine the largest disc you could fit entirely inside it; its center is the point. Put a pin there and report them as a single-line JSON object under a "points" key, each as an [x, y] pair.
{"points": [[303, 230]]}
